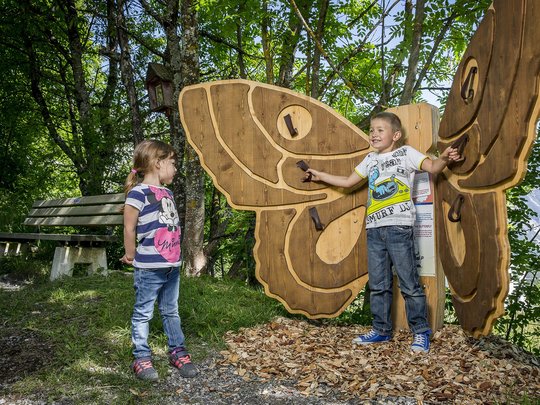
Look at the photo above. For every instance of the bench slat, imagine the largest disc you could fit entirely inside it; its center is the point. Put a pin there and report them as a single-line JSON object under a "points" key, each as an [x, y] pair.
{"points": [[85, 210], [117, 198], [104, 220], [25, 237]]}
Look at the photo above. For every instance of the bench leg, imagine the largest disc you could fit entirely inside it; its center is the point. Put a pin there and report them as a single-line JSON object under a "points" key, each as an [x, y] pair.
{"points": [[66, 257], [13, 248]]}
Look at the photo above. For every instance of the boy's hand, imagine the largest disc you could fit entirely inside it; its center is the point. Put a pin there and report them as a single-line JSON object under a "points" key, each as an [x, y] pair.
{"points": [[313, 174], [451, 155]]}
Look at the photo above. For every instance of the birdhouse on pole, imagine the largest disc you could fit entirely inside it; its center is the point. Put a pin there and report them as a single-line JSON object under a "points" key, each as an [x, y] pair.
{"points": [[159, 84]]}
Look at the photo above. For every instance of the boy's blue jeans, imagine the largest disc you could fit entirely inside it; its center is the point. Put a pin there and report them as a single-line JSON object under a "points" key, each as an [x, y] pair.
{"points": [[389, 245], [163, 285]]}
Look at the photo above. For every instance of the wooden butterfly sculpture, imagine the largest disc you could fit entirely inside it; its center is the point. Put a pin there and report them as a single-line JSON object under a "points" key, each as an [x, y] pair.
{"points": [[253, 139]]}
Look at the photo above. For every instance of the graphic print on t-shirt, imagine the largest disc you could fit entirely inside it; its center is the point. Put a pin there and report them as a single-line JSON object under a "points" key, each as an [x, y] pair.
{"points": [[167, 238], [390, 195]]}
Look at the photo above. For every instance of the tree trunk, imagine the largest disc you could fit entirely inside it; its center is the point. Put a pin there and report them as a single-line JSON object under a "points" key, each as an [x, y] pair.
{"points": [[193, 253], [416, 40], [265, 39], [316, 66], [290, 43], [126, 68]]}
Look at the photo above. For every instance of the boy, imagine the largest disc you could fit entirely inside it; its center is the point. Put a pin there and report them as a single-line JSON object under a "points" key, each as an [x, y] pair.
{"points": [[389, 225]]}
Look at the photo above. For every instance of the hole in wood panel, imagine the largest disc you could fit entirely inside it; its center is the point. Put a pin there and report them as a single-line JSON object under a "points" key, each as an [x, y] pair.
{"points": [[300, 119]]}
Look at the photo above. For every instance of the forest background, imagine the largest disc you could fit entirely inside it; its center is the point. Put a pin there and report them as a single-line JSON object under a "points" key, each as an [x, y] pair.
{"points": [[73, 102]]}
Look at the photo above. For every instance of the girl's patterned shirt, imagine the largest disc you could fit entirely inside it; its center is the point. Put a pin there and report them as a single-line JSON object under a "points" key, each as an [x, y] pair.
{"points": [[158, 227]]}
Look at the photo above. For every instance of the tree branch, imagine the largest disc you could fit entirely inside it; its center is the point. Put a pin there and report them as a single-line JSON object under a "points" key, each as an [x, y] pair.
{"points": [[325, 55]]}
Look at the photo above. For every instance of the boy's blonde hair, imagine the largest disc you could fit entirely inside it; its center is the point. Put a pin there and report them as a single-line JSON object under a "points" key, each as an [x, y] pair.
{"points": [[145, 156], [395, 123]]}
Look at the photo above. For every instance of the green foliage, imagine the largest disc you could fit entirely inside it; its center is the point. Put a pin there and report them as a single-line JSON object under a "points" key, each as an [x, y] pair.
{"points": [[85, 325]]}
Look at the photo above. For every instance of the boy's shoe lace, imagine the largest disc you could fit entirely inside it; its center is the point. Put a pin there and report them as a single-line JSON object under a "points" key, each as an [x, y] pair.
{"points": [[421, 342], [144, 370], [371, 337], [182, 361]]}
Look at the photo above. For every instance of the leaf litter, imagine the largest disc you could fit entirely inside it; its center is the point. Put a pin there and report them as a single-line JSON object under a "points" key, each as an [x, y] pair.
{"points": [[322, 360]]}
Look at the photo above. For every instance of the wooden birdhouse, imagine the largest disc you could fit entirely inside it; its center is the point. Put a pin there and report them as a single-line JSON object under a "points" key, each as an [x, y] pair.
{"points": [[159, 84]]}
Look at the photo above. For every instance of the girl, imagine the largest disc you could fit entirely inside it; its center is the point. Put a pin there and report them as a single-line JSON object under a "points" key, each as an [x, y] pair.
{"points": [[150, 216]]}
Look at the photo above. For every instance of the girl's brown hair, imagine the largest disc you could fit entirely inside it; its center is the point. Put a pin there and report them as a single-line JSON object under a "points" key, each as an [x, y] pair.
{"points": [[146, 154]]}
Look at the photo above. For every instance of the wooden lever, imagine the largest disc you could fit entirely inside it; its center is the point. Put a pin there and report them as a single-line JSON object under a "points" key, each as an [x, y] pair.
{"points": [[467, 91], [288, 121], [315, 217], [304, 166], [454, 214]]}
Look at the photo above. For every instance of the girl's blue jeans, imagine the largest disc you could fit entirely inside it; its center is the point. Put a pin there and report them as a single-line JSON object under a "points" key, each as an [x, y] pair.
{"points": [[163, 285], [389, 245]]}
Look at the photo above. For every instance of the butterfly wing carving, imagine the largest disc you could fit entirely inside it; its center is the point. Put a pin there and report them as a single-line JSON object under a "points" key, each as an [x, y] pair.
{"points": [[249, 137], [492, 108]]}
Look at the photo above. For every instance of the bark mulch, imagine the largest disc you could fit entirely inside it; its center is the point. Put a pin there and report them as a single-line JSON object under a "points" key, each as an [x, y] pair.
{"points": [[321, 363]]}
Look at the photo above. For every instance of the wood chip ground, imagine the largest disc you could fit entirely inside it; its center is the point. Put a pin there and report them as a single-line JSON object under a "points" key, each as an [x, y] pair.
{"points": [[322, 360]]}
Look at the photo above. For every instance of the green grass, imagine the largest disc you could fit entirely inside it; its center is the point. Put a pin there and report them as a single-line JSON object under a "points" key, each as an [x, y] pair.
{"points": [[81, 327]]}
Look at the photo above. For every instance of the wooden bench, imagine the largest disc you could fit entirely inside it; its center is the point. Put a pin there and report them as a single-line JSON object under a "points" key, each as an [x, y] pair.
{"points": [[91, 211]]}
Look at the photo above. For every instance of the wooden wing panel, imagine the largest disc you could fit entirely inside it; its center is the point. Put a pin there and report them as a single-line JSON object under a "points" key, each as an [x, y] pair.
{"points": [[335, 256], [320, 130], [499, 120], [238, 129], [273, 254], [242, 187]]}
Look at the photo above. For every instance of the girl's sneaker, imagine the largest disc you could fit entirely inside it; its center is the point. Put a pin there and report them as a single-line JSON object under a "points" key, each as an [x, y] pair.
{"points": [[144, 370], [180, 359], [371, 337], [421, 342]]}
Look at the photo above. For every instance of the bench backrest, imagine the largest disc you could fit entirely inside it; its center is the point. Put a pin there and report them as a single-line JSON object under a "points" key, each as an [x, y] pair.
{"points": [[96, 210]]}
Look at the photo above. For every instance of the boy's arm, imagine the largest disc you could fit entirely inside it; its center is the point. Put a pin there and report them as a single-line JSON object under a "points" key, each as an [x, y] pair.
{"points": [[437, 165], [333, 180]]}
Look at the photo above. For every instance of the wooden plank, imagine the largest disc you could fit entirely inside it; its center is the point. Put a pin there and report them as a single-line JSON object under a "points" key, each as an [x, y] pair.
{"points": [[434, 300], [117, 198], [27, 237], [328, 133], [105, 220], [72, 211], [19, 237], [233, 120]]}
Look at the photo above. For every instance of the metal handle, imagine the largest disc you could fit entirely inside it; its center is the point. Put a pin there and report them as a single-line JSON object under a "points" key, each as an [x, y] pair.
{"points": [[315, 217], [467, 91], [288, 121], [454, 215]]}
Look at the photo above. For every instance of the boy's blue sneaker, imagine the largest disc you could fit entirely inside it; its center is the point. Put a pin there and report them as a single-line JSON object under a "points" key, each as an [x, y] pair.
{"points": [[371, 337], [421, 342]]}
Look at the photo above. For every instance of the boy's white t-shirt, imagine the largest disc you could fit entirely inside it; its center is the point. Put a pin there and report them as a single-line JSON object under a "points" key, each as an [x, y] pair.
{"points": [[390, 178]]}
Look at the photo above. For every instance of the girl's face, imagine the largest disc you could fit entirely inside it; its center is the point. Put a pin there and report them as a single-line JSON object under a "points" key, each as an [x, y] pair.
{"points": [[381, 135], [166, 170]]}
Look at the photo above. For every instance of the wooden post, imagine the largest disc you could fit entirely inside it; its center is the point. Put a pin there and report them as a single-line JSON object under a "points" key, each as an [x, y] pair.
{"points": [[420, 123]]}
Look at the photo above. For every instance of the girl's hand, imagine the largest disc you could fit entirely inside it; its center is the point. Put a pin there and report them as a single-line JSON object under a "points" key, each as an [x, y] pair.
{"points": [[127, 260]]}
